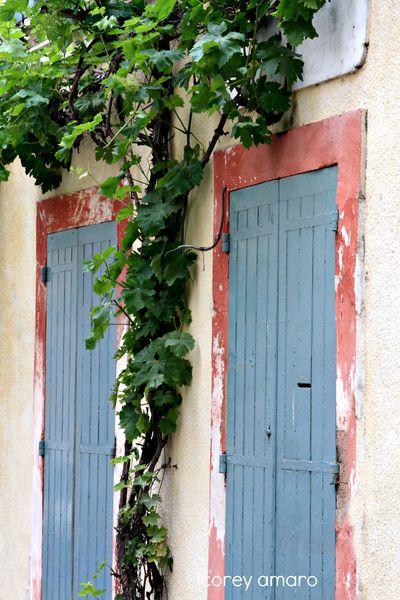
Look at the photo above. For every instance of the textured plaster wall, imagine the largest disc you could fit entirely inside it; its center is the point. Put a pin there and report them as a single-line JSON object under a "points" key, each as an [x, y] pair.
{"points": [[186, 488], [375, 510], [17, 290]]}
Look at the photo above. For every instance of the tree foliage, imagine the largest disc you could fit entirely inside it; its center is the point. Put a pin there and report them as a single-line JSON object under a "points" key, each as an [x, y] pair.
{"points": [[130, 75]]}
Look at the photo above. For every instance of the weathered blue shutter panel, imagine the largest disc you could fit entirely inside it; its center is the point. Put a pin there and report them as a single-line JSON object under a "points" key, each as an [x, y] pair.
{"points": [[60, 418], [95, 426], [251, 383], [281, 417], [79, 427], [306, 393]]}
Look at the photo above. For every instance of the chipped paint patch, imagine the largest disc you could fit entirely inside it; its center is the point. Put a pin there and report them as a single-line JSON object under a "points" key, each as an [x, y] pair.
{"points": [[345, 236], [342, 403], [353, 480], [346, 565], [343, 398], [340, 264], [216, 565], [348, 582], [217, 499]]}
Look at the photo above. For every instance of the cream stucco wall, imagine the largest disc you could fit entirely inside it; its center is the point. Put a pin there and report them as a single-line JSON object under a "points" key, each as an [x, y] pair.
{"points": [[17, 320], [375, 510]]}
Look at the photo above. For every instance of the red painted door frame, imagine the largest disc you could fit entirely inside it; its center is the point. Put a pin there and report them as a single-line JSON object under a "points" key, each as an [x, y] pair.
{"points": [[55, 214], [334, 141]]}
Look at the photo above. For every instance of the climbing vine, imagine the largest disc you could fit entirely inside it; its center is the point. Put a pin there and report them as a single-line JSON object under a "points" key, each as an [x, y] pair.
{"points": [[133, 75]]}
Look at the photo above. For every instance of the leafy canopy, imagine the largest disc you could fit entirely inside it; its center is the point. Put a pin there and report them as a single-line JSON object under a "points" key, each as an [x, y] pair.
{"points": [[75, 68]]}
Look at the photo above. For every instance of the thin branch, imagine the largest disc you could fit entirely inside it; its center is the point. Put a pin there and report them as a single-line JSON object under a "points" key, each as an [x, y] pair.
{"points": [[121, 308], [213, 142], [189, 128], [125, 474], [217, 237], [157, 454], [189, 133], [80, 71], [132, 116], [131, 181], [109, 111]]}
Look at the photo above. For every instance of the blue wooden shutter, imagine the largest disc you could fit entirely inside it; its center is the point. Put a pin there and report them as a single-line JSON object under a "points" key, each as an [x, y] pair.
{"points": [[281, 417], [306, 393], [79, 426], [60, 417], [251, 382]]}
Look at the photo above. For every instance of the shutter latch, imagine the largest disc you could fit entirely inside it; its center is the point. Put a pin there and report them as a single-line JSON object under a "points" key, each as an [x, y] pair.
{"points": [[42, 448], [223, 464]]}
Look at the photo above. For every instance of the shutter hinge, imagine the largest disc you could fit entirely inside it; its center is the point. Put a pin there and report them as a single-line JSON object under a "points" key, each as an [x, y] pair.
{"points": [[42, 448], [226, 242], [336, 221], [223, 464], [45, 274]]}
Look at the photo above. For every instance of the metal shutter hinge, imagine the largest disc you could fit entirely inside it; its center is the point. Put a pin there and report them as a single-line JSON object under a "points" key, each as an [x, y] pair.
{"points": [[223, 464], [42, 448], [226, 243], [336, 222]]}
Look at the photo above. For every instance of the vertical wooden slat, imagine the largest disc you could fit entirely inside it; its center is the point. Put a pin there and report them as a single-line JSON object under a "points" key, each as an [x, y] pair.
{"points": [[328, 450], [317, 418], [249, 396], [60, 372], [95, 427]]}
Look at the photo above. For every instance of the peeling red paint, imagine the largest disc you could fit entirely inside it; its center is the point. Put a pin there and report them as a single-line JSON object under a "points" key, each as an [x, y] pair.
{"points": [[216, 567], [334, 141], [82, 208]]}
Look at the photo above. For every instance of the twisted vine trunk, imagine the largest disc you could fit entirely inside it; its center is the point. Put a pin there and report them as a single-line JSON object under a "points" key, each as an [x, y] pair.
{"points": [[144, 580]]}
